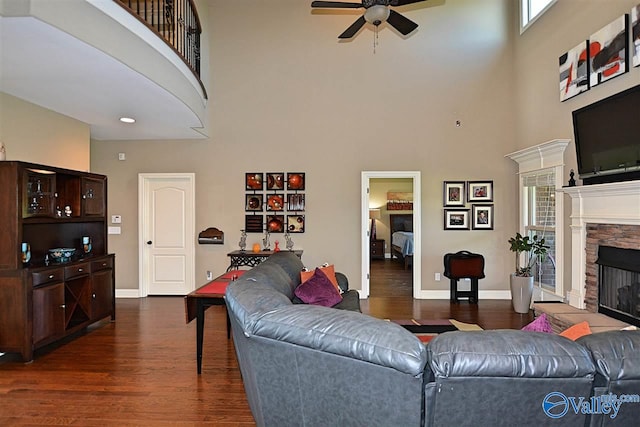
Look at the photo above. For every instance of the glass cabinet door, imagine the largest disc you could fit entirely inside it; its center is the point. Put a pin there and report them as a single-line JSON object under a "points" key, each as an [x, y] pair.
{"points": [[39, 194]]}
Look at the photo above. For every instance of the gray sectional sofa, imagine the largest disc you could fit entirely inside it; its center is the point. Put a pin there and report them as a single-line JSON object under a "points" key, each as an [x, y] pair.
{"points": [[306, 365]]}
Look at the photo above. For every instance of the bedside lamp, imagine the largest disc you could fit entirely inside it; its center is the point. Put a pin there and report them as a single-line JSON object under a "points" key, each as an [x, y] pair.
{"points": [[373, 215]]}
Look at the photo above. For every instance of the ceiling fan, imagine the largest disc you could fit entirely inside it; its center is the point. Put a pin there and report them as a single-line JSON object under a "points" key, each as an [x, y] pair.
{"points": [[377, 12]]}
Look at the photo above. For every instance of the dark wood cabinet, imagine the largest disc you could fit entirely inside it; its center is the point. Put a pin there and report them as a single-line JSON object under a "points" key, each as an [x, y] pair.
{"points": [[376, 248], [48, 313], [43, 300]]}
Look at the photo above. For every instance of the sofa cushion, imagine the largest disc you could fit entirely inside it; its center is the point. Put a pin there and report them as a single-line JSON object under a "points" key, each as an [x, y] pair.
{"points": [[507, 353], [540, 324], [318, 290], [616, 353], [345, 333]]}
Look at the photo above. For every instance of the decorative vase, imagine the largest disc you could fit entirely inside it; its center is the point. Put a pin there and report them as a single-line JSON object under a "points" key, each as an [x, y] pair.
{"points": [[521, 292], [26, 253], [288, 240], [256, 247], [243, 240], [86, 244]]}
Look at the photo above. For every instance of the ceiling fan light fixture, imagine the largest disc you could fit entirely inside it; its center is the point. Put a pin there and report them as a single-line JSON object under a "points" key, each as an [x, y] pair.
{"points": [[377, 14]]}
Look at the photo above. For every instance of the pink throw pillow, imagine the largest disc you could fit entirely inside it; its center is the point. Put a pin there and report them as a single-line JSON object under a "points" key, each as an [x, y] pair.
{"points": [[541, 324]]}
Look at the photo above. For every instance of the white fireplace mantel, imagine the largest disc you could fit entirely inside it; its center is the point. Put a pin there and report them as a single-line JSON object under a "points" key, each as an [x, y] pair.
{"points": [[613, 203]]}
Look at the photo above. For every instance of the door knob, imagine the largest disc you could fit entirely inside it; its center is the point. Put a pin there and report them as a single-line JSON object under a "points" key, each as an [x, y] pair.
{"points": [[149, 242]]}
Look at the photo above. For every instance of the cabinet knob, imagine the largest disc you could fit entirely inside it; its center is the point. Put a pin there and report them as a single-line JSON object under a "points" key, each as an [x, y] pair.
{"points": [[104, 264], [93, 296], [80, 270], [149, 242], [63, 306], [51, 276]]}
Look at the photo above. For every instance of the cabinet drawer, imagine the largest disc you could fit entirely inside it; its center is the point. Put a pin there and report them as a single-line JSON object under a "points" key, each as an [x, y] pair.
{"points": [[76, 270], [102, 264], [47, 276]]}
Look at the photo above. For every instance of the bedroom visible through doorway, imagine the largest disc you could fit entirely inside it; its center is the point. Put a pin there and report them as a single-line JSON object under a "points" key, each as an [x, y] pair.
{"points": [[391, 233]]}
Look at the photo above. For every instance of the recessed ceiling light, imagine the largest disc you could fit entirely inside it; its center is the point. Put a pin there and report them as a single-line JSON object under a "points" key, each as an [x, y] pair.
{"points": [[127, 120]]}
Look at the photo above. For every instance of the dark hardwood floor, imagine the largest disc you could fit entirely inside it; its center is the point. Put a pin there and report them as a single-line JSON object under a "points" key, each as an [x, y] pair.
{"points": [[141, 370]]}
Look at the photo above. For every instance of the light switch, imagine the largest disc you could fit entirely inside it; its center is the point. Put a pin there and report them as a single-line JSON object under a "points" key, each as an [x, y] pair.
{"points": [[114, 230], [116, 219], [122, 156]]}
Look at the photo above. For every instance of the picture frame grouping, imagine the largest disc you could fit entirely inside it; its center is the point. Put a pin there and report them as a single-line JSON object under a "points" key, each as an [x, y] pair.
{"points": [[456, 195], [275, 202]]}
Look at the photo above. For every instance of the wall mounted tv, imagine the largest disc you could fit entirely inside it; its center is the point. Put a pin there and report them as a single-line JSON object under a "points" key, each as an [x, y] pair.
{"points": [[607, 136]]}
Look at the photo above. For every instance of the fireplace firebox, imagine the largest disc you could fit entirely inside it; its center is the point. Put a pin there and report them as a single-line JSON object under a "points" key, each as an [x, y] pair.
{"points": [[619, 283]]}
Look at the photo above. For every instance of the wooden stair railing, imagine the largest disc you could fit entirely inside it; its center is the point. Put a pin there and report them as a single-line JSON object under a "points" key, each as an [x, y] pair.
{"points": [[176, 22]]}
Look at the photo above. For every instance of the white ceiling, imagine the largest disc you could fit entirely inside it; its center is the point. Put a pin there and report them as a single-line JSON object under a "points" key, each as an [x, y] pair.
{"points": [[50, 68]]}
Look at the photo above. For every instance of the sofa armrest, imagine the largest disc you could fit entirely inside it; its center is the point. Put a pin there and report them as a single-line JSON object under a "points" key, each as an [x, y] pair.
{"points": [[343, 282]]}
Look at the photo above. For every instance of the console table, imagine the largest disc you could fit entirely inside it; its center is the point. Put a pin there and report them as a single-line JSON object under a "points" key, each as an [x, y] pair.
{"points": [[202, 298], [251, 259]]}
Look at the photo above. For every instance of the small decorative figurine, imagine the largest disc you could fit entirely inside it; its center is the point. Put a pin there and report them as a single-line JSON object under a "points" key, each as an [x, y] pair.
{"points": [[266, 245], [277, 247], [67, 210], [289, 244], [572, 182], [243, 240], [256, 247]]}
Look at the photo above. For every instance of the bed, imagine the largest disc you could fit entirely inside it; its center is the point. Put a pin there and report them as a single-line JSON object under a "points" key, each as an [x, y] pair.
{"points": [[401, 226]]}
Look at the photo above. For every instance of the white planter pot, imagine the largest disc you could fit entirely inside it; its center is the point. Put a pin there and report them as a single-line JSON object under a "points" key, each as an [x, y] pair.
{"points": [[521, 292]]}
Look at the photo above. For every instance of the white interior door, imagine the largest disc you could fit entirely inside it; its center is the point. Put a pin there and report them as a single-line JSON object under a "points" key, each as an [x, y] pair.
{"points": [[167, 239]]}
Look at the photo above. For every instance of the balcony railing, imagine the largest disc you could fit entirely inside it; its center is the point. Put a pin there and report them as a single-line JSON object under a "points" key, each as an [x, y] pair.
{"points": [[176, 22]]}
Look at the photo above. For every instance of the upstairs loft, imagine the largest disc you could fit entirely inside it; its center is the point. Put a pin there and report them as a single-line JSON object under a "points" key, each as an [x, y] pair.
{"points": [[95, 61]]}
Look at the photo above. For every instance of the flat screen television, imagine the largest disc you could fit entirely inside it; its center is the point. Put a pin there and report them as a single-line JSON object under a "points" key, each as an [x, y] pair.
{"points": [[607, 137]]}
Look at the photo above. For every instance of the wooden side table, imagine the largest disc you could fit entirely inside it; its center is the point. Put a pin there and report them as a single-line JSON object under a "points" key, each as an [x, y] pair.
{"points": [[376, 248], [250, 259]]}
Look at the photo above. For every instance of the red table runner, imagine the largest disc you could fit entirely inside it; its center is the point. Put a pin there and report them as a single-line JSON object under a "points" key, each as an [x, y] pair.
{"points": [[219, 284]]}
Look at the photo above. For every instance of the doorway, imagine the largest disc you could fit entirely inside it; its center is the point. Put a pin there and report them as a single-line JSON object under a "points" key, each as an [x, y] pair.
{"points": [[366, 180], [166, 233]]}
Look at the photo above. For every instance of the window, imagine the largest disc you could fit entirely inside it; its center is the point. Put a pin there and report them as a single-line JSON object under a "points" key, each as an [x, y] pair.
{"points": [[539, 203], [540, 170], [530, 10]]}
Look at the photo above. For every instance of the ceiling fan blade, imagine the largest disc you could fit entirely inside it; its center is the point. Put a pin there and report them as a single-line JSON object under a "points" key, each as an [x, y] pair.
{"points": [[403, 2], [400, 23], [336, 4], [353, 29]]}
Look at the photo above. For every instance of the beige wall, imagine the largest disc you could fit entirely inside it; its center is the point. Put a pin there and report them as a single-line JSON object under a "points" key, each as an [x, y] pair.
{"points": [[285, 95], [34, 134]]}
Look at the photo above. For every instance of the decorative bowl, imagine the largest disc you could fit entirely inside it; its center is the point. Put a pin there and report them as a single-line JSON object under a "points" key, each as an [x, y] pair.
{"points": [[61, 254]]}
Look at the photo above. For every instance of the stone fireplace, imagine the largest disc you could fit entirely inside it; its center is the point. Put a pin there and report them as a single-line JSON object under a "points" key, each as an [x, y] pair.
{"points": [[602, 215]]}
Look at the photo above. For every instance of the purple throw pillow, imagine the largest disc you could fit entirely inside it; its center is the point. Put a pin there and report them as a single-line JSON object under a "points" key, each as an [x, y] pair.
{"points": [[318, 290], [541, 324]]}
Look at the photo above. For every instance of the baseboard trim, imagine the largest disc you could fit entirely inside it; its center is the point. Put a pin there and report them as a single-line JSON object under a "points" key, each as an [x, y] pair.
{"points": [[127, 293], [481, 294]]}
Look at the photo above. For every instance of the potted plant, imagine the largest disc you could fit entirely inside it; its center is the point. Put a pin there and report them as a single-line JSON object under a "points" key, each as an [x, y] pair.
{"points": [[521, 281]]}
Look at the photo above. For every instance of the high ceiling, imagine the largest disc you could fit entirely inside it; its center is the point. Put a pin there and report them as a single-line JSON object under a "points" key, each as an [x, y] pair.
{"points": [[47, 67]]}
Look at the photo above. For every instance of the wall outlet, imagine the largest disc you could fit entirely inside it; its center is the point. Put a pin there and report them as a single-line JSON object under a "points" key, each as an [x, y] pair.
{"points": [[209, 275], [438, 277]]}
